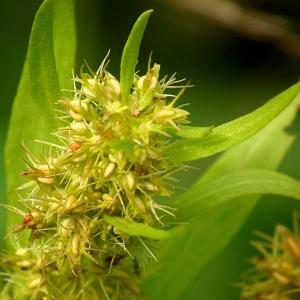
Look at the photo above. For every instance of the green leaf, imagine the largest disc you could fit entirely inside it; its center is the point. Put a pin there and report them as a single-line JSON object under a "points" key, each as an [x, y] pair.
{"points": [[190, 132], [136, 229], [232, 186], [64, 48], [32, 114], [208, 233], [130, 54], [231, 133]]}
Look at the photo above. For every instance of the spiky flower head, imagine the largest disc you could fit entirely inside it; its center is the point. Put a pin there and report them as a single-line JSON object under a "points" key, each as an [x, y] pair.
{"points": [[276, 272], [107, 162]]}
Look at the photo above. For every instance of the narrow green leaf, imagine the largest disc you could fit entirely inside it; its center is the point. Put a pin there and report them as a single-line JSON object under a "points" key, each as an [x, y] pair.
{"points": [[32, 114], [190, 132], [208, 233], [232, 186], [43, 79], [64, 37], [136, 229], [130, 54], [231, 133]]}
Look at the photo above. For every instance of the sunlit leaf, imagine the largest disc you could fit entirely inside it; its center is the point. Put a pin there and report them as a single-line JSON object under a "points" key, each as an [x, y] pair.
{"points": [[39, 88], [231, 133], [208, 233], [64, 48], [190, 132], [130, 54]]}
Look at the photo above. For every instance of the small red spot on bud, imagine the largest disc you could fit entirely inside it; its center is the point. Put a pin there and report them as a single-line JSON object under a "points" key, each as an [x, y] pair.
{"points": [[73, 147], [27, 219], [141, 170], [25, 173]]}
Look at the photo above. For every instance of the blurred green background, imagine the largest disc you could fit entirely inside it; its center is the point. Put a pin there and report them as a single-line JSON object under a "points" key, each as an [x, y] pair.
{"points": [[231, 74]]}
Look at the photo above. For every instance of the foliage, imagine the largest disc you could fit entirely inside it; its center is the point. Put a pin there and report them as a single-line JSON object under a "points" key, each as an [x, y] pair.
{"points": [[33, 114], [215, 207]]}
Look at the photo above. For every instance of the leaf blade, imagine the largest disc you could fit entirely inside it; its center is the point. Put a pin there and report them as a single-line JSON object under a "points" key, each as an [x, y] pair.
{"points": [[206, 235], [232, 133], [43, 78], [131, 52], [234, 185], [38, 88], [64, 52]]}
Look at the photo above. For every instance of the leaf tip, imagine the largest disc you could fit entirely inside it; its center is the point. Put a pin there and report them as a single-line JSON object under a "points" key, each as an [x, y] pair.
{"points": [[130, 53]]}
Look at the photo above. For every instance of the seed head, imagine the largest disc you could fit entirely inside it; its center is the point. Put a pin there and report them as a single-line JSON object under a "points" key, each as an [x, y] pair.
{"points": [[108, 161], [276, 270]]}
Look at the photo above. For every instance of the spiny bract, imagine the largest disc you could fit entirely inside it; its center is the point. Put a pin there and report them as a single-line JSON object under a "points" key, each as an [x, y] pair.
{"points": [[107, 161]]}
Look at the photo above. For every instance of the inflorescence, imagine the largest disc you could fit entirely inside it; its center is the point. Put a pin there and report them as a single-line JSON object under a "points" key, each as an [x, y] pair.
{"points": [[276, 272], [107, 161]]}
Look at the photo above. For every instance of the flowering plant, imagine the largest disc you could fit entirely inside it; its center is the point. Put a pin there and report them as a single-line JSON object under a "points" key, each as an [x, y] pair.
{"points": [[98, 219]]}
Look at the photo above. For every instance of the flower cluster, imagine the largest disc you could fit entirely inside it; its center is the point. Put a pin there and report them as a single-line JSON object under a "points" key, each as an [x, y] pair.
{"points": [[107, 161], [276, 275]]}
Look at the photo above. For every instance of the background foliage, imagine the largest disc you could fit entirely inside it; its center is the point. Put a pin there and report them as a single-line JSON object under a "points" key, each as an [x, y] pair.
{"points": [[232, 76]]}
